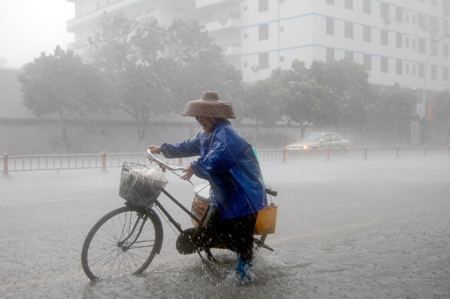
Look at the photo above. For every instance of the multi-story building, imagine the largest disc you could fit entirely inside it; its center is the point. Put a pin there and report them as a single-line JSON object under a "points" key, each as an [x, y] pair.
{"points": [[88, 12], [404, 41]]}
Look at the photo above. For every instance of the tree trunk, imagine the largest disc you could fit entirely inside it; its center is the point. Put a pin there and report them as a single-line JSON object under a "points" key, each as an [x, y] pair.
{"points": [[257, 130], [448, 133], [302, 130], [65, 139], [141, 126]]}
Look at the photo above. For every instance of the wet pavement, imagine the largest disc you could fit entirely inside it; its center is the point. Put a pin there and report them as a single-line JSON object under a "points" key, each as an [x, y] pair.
{"points": [[347, 228]]}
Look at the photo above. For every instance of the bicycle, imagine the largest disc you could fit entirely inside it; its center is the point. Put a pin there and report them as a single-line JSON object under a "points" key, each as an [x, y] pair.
{"points": [[126, 240]]}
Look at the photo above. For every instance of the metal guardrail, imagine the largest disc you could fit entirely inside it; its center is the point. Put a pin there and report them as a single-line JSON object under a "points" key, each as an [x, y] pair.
{"points": [[365, 152], [80, 161], [104, 161]]}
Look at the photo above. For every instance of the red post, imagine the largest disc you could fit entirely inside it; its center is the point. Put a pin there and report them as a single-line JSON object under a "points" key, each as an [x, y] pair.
{"points": [[425, 150], [284, 155], [5, 164], [398, 151], [328, 153], [180, 161], [365, 153]]}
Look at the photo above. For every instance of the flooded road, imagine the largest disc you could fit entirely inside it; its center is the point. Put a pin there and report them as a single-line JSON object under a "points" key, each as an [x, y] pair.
{"points": [[347, 228]]}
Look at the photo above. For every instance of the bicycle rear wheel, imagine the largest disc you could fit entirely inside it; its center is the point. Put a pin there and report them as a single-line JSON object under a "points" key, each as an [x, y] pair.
{"points": [[122, 242]]}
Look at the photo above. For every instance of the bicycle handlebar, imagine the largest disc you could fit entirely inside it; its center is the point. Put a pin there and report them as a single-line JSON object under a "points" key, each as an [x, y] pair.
{"points": [[162, 164]]}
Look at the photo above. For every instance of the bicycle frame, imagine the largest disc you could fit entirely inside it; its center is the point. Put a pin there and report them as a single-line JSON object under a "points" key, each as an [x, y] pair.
{"points": [[164, 166], [121, 243], [171, 219]]}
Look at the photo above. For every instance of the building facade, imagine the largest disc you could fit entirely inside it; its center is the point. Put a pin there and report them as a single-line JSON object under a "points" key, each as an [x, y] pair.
{"points": [[398, 41]]}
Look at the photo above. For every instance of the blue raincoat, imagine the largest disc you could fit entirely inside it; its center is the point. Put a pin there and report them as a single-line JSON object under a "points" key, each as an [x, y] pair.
{"points": [[228, 162]]}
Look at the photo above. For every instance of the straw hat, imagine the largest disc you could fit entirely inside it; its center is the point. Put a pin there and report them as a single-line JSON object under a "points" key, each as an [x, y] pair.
{"points": [[209, 106]]}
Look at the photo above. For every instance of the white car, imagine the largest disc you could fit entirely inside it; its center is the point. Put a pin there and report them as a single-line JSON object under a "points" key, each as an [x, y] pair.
{"points": [[319, 141]]}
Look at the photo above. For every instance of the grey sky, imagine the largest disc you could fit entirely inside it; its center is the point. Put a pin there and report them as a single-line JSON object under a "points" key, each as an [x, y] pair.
{"points": [[29, 27]]}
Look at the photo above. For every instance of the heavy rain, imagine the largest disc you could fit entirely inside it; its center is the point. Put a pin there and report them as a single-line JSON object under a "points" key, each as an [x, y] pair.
{"points": [[375, 228], [346, 103]]}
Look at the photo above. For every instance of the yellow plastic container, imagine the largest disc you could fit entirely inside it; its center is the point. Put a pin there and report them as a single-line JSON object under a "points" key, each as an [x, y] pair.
{"points": [[266, 220]]}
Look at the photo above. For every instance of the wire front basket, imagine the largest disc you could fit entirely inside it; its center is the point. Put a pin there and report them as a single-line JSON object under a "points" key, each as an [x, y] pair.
{"points": [[136, 188]]}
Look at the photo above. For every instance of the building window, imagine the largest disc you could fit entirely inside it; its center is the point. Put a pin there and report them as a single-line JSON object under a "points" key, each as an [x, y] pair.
{"points": [[264, 61], [348, 55], [399, 14], [407, 68], [245, 7], [245, 64], [435, 47], [367, 61], [445, 74], [349, 4], [414, 69], [399, 67], [421, 70], [407, 42], [98, 5], [367, 31], [384, 37], [421, 45], [434, 2], [331, 2], [384, 10], [446, 7], [399, 40], [445, 50], [367, 7], [264, 32], [330, 26], [414, 43], [434, 26], [348, 30], [422, 20], [330, 54], [433, 72], [282, 59], [263, 5], [245, 35], [384, 65]]}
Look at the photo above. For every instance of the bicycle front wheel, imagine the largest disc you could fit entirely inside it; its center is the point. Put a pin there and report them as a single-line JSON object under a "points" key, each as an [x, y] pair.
{"points": [[123, 242]]}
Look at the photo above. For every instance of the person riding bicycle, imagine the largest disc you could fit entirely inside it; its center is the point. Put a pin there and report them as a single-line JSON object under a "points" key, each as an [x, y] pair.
{"points": [[230, 165]]}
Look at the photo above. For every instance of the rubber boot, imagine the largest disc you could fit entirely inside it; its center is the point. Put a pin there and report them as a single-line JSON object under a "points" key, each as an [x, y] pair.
{"points": [[242, 270]]}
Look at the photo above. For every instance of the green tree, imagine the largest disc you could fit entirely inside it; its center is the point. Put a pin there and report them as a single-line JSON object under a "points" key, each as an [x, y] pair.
{"points": [[442, 110], [304, 100], [153, 71], [347, 84], [310, 103], [126, 54], [61, 84], [196, 64], [262, 102], [392, 108]]}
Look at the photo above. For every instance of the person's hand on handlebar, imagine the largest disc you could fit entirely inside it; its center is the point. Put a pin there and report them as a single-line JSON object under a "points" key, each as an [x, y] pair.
{"points": [[188, 173], [154, 149]]}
